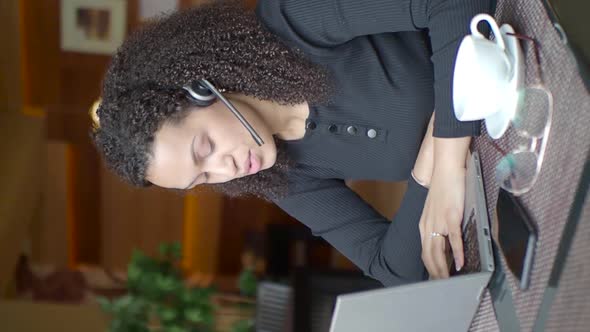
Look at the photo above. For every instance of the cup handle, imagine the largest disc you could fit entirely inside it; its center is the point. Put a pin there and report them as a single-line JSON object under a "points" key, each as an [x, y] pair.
{"points": [[492, 22]]}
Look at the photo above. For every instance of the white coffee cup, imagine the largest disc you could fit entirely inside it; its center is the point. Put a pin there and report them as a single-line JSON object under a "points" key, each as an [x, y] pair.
{"points": [[482, 73]]}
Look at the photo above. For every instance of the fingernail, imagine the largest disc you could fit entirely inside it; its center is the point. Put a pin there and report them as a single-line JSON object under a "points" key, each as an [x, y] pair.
{"points": [[457, 267]]}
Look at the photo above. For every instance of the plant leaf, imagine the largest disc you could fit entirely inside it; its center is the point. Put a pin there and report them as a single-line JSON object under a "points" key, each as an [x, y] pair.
{"points": [[167, 314], [105, 303], [194, 315], [176, 328]]}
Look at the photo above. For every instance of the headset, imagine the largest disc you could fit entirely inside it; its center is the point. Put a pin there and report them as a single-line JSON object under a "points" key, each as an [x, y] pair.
{"points": [[202, 93]]}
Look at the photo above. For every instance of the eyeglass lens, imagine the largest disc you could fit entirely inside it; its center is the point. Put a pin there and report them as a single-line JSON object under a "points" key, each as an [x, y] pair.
{"points": [[532, 115], [517, 171]]}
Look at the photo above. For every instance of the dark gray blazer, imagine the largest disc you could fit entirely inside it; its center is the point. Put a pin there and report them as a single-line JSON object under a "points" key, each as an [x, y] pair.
{"points": [[392, 61]]}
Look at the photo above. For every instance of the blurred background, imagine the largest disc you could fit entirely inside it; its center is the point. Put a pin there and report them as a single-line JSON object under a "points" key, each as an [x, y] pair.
{"points": [[62, 212]]}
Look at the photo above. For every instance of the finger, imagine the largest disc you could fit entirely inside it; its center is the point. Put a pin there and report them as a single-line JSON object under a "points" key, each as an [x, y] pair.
{"points": [[438, 256], [456, 240], [424, 242], [426, 253], [427, 257], [448, 255]]}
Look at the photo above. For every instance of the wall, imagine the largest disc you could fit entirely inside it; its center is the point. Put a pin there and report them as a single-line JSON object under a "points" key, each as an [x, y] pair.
{"points": [[10, 87]]}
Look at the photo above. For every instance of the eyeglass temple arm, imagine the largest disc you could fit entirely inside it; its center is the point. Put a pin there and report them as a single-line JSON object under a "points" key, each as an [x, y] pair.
{"points": [[497, 147], [238, 115], [535, 49]]}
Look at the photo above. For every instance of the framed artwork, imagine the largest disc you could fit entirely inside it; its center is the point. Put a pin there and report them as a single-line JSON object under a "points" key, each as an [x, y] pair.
{"points": [[93, 26]]}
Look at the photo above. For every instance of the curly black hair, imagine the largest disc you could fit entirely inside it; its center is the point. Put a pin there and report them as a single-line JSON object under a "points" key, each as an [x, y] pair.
{"points": [[223, 42]]}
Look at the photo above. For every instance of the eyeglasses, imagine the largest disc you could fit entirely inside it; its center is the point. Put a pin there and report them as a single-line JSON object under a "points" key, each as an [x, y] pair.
{"points": [[518, 170]]}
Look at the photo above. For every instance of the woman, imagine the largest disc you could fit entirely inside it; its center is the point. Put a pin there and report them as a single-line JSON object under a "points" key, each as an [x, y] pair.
{"points": [[329, 90]]}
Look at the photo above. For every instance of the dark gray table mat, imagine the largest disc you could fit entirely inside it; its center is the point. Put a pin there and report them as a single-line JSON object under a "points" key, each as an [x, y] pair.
{"points": [[551, 197]]}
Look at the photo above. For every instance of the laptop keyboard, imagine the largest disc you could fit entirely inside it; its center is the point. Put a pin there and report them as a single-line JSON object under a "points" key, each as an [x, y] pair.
{"points": [[470, 248]]}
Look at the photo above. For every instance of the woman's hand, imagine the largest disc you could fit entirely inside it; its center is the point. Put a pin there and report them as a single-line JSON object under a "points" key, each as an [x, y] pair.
{"points": [[440, 224]]}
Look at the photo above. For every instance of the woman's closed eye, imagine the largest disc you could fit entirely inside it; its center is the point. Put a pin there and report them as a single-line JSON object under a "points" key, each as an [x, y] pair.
{"points": [[204, 151], [201, 148], [204, 147]]}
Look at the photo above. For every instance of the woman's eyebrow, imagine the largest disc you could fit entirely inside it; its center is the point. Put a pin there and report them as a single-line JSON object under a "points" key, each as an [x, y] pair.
{"points": [[192, 145], [193, 149]]}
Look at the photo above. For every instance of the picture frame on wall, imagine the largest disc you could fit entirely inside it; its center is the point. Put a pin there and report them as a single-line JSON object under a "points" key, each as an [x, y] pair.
{"points": [[93, 26]]}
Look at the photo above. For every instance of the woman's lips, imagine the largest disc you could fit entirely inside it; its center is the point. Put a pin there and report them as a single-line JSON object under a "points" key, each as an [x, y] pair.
{"points": [[254, 166]]}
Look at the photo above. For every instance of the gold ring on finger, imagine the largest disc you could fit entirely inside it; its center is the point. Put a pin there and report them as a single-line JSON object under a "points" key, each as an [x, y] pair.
{"points": [[436, 234]]}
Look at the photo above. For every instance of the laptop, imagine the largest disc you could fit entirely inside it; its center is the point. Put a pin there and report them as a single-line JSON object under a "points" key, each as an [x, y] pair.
{"points": [[435, 305]]}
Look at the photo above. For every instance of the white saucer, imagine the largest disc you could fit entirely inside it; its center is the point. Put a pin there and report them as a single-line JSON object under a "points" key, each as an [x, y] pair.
{"points": [[497, 123]]}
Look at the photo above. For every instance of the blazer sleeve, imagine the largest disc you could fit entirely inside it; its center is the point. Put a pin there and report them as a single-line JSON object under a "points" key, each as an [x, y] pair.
{"points": [[328, 23], [387, 251]]}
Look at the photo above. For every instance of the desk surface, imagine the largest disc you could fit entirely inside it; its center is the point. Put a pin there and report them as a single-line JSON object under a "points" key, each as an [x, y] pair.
{"points": [[550, 199]]}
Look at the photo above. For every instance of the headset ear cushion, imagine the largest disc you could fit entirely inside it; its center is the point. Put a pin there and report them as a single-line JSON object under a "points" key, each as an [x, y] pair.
{"points": [[199, 94]]}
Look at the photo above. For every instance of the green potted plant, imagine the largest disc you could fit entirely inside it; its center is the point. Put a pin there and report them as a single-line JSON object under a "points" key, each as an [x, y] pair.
{"points": [[159, 300]]}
